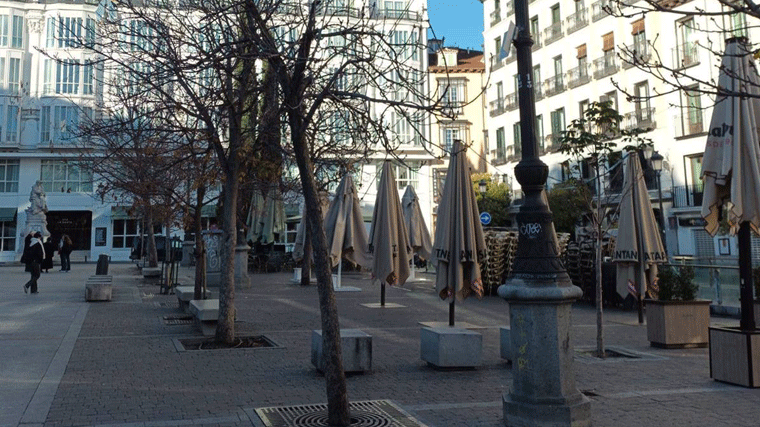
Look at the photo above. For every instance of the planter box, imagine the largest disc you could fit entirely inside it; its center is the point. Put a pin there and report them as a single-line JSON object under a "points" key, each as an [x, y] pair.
{"points": [[735, 356], [356, 346], [678, 324], [449, 347]]}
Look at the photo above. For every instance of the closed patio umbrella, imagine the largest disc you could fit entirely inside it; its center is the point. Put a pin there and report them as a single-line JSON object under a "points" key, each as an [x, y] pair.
{"points": [[419, 236], [731, 162], [638, 247], [459, 245], [266, 217], [344, 228], [388, 238]]}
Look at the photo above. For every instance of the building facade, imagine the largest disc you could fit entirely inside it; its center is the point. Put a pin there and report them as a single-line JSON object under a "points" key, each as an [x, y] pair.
{"points": [[581, 54]]}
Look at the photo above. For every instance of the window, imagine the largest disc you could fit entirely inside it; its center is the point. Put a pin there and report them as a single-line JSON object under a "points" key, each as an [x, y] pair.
{"points": [[582, 107], [14, 74], [558, 125], [537, 81], [738, 24], [17, 36], [497, 48], [453, 93], [641, 100], [60, 123], [9, 175], [8, 235], [11, 126], [534, 29], [639, 37], [501, 148], [69, 31], [558, 66], [87, 78], [401, 126], [401, 42], [4, 24], [44, 124], [687, 48], [67, 76], [450, 133], [540, 131], [517, 139], [692, 111], [394, 9], [555, 14], [125, 231], [406, 174], [612, 98], [64, 177]]}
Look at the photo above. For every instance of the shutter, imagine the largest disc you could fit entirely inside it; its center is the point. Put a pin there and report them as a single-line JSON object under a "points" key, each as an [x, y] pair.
{"points": [[608, 42], [637, 26], [581, 51]]}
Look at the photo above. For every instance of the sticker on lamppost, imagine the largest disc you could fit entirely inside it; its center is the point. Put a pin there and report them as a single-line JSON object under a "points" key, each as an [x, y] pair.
{"points": [[485, 218]]}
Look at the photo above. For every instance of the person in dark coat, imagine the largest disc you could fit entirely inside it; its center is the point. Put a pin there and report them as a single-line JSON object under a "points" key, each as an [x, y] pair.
{"points": [[49, 247], [34, 259], [25, 253], [65, 249]]}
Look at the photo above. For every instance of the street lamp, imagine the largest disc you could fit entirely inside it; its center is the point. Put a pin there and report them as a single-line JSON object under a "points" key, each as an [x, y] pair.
{"points": [[540, 292], [656, 162], [482, 186]]}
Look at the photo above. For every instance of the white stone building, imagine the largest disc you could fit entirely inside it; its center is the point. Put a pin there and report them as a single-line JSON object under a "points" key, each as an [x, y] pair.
{"points": [[42, 100], [578, 57]]}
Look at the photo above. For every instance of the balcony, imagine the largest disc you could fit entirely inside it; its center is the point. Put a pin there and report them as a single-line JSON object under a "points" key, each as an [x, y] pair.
{"points": [[577, 20], [501, 155], [396, 14], [452, 109], [578, 76], [686, 196], [554, 85], [633, 54], [606, 65], [690, 123], [514, 152], [552, 33], [510, 6], [600, 10], [495, 17], [538, 93], [642, 118], [495, 63], [511, 102], [496, 108], [686, 55]]}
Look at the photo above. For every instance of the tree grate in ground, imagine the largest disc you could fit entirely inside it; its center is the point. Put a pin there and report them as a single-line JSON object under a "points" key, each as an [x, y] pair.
{"points": [[613, 354], [166, 304], [371, 413], [178, 319]]}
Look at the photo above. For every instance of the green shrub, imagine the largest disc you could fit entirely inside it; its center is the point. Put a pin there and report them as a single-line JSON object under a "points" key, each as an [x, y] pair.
{"points": [[676, 283]]}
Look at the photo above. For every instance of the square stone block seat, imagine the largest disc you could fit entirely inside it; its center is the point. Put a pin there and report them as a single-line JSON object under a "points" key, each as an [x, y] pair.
{"points": [[451, 347], [206, 312], [151, 272], [505, 333], [355, 344], [185, 294], [98, 288]]}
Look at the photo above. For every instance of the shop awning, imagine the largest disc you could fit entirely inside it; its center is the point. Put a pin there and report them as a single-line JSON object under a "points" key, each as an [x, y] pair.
{"points": [[7, 214]]}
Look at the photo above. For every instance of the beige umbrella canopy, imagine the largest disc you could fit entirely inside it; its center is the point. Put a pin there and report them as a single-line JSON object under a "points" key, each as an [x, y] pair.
{"points": [[344, 227], [298, 248], [389, 241], [459, 246], [731, 162], [419, 236], [638, 247], [266, 217]]}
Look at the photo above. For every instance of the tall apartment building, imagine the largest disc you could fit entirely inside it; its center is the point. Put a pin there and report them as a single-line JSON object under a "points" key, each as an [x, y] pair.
{"points": [[42, 100], [580, 53]]}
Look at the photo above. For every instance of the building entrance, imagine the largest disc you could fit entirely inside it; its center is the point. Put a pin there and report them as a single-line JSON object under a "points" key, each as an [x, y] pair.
{"points": [[77, 224]]}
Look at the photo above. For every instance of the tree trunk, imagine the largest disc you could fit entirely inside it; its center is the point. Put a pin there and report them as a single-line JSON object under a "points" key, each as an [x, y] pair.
{"points": [[225, 325], [600, 350], [335, 378], [306, 262], [152, 253], [200, 247]]}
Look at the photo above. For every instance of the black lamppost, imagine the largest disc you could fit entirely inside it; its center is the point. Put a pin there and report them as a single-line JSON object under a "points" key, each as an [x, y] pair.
{"points": [[656, 162], [483, 186], [540, 292]]}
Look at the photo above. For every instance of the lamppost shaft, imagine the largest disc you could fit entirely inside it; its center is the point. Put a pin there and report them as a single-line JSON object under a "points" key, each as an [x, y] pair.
{"points": [[662, 212]]}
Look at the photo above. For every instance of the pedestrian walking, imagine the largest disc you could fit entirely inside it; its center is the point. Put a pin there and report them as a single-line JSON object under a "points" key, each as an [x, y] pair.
{"points": [[49, 247], [34, 256], [64, 249]]}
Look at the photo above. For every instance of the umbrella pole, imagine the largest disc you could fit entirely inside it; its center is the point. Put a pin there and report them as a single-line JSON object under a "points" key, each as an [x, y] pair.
{"points": [[340, 268], [382, 294], [747, 322], [451, 312]]}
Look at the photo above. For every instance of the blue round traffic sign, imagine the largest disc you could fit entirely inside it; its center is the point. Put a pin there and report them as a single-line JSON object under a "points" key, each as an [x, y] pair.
{"points": [[485, 218]]}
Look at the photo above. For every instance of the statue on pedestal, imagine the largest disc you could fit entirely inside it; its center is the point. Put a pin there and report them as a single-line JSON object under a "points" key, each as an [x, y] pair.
{"points": [[36, 220]]}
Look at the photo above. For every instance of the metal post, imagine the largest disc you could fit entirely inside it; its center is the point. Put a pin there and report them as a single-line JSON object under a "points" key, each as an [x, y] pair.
{"points": [[747, 322], [662, 212], [540, 293]]}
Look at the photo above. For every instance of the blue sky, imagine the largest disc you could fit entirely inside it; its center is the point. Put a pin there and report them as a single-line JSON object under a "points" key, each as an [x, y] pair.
{"points": [[460, 22]]}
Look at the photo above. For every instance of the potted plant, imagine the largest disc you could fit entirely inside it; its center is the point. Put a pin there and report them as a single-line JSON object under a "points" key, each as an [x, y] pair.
{"points": [[676, 319]]}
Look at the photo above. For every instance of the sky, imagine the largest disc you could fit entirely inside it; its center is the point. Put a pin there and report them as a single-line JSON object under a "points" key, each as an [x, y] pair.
{"points": [[460, 22]]}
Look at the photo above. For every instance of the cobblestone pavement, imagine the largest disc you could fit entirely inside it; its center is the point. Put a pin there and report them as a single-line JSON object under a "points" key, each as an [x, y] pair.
{"points": [[66, 362]]}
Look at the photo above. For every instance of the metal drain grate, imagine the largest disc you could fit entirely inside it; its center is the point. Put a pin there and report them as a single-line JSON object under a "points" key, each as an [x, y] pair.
{"points": [[178, 319], [167, 304], [370, 413]]}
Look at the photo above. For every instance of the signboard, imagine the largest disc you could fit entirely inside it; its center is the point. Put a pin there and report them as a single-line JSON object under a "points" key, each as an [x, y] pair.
{"points": [[100, 236], [485, 218], [506, 43]]}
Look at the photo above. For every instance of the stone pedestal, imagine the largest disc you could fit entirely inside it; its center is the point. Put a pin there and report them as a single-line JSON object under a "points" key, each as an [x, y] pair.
{"points": [[543, 389], [451, 347], [242, 280], [98, 288], [213, 242], [206, 312], [151, 272], [356, 346]]}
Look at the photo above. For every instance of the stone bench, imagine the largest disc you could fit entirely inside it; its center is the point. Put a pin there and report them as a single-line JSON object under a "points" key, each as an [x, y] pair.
{"points": [[98, 288], [356, 346], [449, 347], [505, 333], [206, 312], [151, 272], [185, 294]]}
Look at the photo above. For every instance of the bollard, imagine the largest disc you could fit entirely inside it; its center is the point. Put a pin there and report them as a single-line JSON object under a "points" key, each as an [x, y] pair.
{"points": [[101, 269]]}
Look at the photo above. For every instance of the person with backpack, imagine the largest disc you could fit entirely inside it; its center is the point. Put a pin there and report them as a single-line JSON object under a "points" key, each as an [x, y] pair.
{"points": [[34, 254]]}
